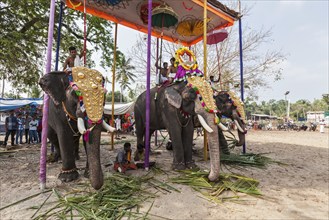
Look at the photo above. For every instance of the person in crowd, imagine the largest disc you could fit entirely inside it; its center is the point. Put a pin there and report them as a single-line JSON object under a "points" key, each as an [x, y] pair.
{"points": [[20, 129], [33, 125], [11, 127], [123, 160], [73, 60], [39, 129], [118, 126], [322, 124], [199, 131], [213, 81], [26, 123]]}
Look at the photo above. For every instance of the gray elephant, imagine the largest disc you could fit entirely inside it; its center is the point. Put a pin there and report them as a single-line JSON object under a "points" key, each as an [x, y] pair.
{"points": [[66, 122], [173, 109], [230, 106]]}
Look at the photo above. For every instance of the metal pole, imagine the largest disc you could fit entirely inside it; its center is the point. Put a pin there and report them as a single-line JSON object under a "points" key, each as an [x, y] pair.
{"points": [[43, 150], [241, 65], [113, 80], [147, 127]]}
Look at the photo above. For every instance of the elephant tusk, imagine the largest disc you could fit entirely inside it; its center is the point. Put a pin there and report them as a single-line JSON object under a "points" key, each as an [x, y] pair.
{"points": [[81, 126], [238, 126], [108, 127], [204, 124], [222, 127]]}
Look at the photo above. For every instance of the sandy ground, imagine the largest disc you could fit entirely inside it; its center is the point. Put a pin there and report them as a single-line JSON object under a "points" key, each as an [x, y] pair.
{"points": [[298, 190]]}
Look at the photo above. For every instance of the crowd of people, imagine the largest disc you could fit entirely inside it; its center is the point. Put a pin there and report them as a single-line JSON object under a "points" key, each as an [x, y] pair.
{"points": [[19, 124]]}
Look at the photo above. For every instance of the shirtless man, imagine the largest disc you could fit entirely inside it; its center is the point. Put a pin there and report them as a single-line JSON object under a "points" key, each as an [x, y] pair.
{"points": [[73, 60], [163, 76], [172, 70]]}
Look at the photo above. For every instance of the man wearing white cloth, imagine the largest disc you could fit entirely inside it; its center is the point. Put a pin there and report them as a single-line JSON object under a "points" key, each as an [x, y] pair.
{"points": [[73, 60]]}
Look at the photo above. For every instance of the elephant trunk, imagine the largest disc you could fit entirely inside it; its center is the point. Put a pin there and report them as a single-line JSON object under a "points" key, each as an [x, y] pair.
{"points": [[93, 154], [241, 128], [213, 143]]}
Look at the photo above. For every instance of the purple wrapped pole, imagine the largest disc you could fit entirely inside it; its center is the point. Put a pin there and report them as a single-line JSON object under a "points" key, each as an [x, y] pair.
{"points": [[43, 151], [148, 77], [241, 66]]}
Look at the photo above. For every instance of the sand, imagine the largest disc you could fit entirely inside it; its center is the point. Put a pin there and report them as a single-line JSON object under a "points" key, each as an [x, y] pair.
{"points": [[297, 190]]}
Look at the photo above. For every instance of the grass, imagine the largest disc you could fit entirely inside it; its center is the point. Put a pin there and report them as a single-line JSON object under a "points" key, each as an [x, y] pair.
{"points": [[214, 191]]}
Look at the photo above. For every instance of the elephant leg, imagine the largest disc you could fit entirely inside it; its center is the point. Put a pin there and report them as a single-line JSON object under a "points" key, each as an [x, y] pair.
{"points": [[187, 137], [140, 129], [175, 134], [76, 149], [86, 173], [52, 136], [223, 143], [67, 147]]}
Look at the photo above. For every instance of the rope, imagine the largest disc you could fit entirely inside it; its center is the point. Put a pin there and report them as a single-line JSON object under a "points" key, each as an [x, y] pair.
{"points": [[180, 124]]}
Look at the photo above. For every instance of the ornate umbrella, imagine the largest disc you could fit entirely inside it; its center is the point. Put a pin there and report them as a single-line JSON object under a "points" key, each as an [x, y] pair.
{"points": [[190, 26], [164, 16], [216, 36]]}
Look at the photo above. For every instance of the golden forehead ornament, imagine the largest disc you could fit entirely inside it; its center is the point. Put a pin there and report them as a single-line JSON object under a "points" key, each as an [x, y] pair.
{"points": [[205, 90], [90, 85]]}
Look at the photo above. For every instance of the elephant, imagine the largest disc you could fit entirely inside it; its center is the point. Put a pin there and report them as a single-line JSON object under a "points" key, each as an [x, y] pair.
{"points": [[66, 123], [172, 108], [228, 105]]}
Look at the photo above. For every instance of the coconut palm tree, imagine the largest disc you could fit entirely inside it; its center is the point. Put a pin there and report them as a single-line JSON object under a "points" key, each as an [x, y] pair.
{"points": [[125, 75]]}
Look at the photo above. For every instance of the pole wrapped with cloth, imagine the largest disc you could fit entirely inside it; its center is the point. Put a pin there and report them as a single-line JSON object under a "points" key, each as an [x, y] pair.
{"points": [[43, 151]]}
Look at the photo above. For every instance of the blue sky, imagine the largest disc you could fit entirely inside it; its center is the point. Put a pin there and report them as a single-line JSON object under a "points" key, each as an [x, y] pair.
{"points": [[300, 30]]}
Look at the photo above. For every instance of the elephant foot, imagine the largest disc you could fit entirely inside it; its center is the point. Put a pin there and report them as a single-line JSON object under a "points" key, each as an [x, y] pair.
{"points": [[86, 173], [178, 166], [191, 165], [68, 175]]}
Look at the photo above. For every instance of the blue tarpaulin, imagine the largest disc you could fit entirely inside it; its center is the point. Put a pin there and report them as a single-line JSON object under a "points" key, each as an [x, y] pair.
{"points": [[11, 104]]}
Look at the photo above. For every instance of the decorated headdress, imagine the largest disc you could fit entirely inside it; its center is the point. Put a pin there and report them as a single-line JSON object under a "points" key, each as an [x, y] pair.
{"points": [[89, 86]]}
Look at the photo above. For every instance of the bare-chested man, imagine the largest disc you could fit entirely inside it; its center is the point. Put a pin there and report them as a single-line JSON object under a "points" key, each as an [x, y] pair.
{"points": [[73, 60]]}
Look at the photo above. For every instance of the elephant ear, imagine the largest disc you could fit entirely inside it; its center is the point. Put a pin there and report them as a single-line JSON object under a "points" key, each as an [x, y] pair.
{"points": [[173, 97], [55, 84]]}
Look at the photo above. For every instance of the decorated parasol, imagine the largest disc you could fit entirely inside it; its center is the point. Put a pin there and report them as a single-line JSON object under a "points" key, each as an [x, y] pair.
{"points": [[216, 36], [164, 16], [142, 9], [190, 26]]}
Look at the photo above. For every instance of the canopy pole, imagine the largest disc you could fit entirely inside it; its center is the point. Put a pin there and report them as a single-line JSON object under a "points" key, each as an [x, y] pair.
{"points": [[205, 147], [158, 80], [59, 34], [219, 73], [84, 33], [241, 65], [113, 80], [148, 74], [43, 150]]}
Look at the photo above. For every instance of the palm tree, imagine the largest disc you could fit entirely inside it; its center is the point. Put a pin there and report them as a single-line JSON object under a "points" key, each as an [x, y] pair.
{"points": [[125, 75]]}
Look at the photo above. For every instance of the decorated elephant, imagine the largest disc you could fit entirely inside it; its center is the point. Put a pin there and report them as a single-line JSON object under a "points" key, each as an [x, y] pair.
{"points": [[229, 106], [75, 108], [173, 109]]}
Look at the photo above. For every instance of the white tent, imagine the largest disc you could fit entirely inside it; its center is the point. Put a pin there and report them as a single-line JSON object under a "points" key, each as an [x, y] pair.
{"points": [[119, 108]]}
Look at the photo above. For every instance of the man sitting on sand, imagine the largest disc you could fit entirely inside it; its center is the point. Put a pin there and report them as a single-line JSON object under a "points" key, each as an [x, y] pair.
{"points": [[123, 160]]}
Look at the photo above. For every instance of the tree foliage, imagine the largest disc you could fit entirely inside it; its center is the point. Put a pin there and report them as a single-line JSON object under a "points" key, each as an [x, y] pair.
{"points": [[279, 108], [24, 36]]}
